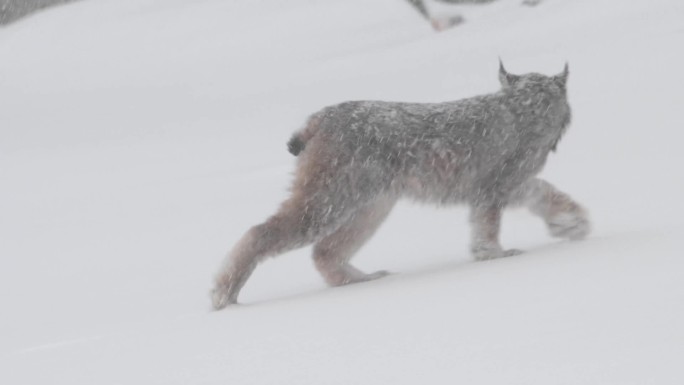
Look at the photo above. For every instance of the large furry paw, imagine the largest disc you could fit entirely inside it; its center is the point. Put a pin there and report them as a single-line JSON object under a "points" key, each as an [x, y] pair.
{"points": [[371, 276], [512, 252], [350, 275], [486, 254], [569, 225], [357, 277], [222, 296]]}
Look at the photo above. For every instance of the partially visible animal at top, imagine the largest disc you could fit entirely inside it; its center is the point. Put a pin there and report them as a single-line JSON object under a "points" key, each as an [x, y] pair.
{"points": [[356, 159], [13, 10], [440, 23]]}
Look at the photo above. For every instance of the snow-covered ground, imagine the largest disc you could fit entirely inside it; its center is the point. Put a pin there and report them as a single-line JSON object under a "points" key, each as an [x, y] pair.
{"points": [[140, 138]]}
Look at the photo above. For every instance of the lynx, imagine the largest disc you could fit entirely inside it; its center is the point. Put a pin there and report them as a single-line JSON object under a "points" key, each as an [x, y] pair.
{"points": [[356, 159]]}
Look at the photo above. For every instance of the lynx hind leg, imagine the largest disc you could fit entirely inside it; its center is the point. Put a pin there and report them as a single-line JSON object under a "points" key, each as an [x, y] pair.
{"points": [[331, 254], [299, 222], [564, 217], [485, 222], [277, 235]]}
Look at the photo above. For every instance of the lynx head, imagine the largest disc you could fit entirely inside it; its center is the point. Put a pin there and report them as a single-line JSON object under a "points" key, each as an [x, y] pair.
{"points": [[537, 97], [555, 85]]}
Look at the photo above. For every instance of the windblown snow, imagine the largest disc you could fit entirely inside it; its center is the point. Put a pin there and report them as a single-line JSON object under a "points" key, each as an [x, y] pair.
{"points": [[139, 139]]}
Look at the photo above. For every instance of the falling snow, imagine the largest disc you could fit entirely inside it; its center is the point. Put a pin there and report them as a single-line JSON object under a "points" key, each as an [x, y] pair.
{"points": [[140, 139]]}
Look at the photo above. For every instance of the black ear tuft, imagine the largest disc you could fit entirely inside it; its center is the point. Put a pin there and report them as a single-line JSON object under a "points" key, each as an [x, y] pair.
{"points": [[562, 78], [505, 78], [502, 72]]}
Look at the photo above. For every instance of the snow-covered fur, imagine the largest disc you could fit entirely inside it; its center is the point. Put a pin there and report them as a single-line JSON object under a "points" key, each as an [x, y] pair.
{"points": [[356, 159]]}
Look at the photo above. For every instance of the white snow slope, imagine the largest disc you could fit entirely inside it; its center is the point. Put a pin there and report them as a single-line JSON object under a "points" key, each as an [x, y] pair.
{"points": [[140, 138]]}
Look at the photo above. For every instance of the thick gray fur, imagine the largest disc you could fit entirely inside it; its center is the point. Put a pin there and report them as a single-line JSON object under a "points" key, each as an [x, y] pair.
{"points": [[356, 159]]}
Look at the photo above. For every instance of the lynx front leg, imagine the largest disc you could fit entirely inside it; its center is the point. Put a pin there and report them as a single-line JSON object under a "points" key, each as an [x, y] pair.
{"points": [[564, 217], [485, 222], [332, 254]]}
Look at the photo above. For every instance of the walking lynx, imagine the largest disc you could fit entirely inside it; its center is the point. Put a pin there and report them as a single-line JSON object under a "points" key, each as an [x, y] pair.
{"points": [[356, 159]]}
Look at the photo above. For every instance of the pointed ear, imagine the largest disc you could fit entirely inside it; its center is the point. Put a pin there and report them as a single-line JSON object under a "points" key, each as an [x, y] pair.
{"points": [[505, 78], [562, 78]]}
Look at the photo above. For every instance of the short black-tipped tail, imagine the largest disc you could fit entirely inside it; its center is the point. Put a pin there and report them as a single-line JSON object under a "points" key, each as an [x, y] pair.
{"points": [[295, 145], [298, 141]]}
